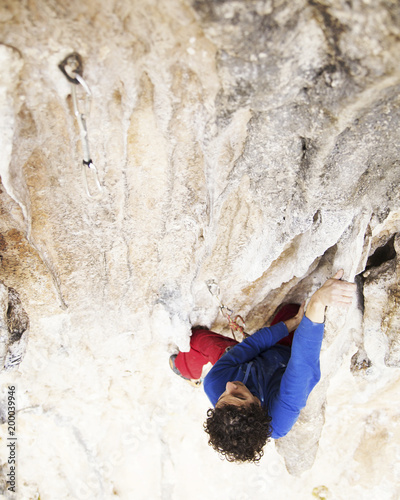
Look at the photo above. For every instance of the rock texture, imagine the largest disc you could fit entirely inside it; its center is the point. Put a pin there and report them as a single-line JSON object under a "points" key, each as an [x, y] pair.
{"points": [[382, 311], [14, 325], [252, 143]]}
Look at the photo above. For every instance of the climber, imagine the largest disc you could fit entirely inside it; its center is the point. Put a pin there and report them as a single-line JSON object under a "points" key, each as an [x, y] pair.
{"points": [[259, 386]]}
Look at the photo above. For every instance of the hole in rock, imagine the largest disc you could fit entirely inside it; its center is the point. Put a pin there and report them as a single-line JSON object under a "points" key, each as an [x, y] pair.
{"points": [[360, 362], [15, 323], [17, 319], [382, 254]]}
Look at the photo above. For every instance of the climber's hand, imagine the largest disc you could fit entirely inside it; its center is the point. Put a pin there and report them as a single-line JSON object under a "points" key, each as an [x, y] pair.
{"points": [[294, 322], [333, 292]]}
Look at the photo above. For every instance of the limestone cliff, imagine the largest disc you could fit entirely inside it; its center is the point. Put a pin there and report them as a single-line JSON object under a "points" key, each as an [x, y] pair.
{"points": [[254, 143]]}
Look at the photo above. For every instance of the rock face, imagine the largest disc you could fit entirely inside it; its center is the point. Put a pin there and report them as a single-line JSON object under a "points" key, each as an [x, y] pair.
{"points": [[382, 312], [14, 324], [252, 143]]}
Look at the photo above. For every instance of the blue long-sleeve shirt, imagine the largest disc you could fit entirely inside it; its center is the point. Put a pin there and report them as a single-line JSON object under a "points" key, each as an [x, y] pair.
{"points": [[282, 378]]}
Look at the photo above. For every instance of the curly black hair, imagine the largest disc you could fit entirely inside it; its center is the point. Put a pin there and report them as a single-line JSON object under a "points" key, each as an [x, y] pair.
{"points": [[238, 433]]}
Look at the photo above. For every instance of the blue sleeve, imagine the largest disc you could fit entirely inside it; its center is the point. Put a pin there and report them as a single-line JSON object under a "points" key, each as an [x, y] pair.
{"points": [[251, 347], [227, 368], [300, 377]]}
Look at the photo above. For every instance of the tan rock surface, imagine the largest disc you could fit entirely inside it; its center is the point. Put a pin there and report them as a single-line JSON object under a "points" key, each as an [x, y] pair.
{"points": [[253, 143]]}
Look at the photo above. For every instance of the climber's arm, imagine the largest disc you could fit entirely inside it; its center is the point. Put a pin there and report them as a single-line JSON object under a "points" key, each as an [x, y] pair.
{"points": [[303, 370]]}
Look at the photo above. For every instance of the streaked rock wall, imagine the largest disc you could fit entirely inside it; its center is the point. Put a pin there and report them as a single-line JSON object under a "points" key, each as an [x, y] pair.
{"points": [[254, 143]]}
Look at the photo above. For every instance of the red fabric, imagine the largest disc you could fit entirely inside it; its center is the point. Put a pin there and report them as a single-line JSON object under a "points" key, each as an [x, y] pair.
{"points": [[206, 345], [286, 312]]}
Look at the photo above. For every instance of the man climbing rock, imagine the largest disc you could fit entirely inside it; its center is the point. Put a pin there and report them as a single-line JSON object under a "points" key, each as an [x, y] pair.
{"points": [[259, 386]]}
